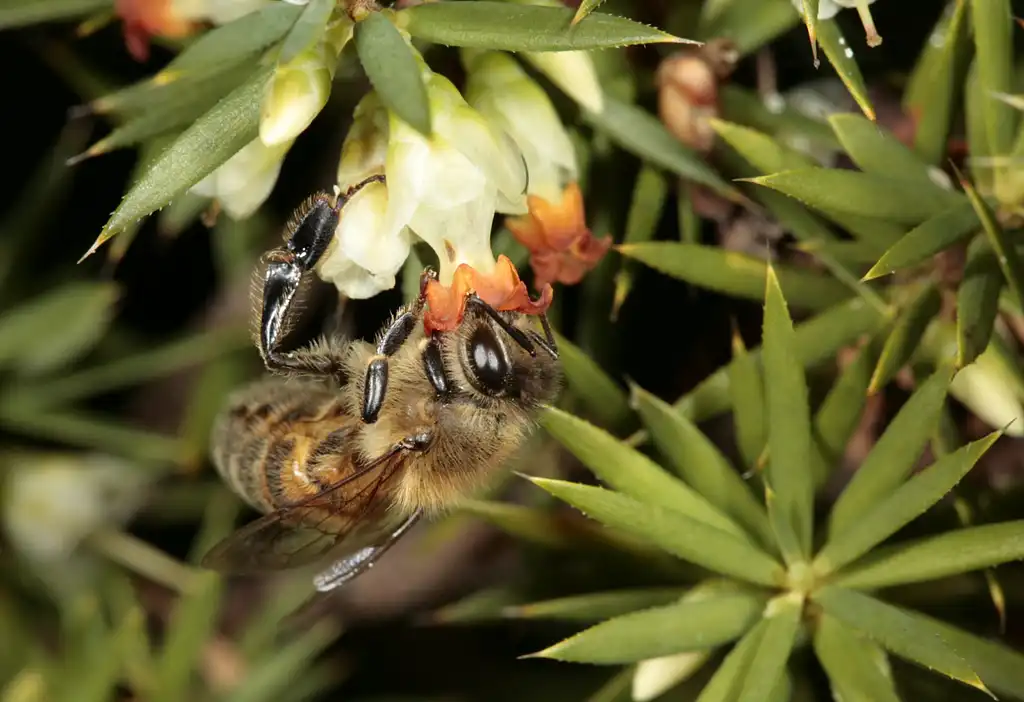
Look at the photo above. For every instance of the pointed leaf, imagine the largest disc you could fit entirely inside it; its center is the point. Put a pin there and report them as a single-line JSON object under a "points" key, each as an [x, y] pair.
{"points": [[136, 368], [734, 273], [22, 13], [789, 124], [789, 422], [192, 622], [696, 459], [181, 109], [393, 70], [512, 27], [762, 151], [629, 471], [876, 150], [840, 55], [816, 339], [209, 142], [937, 81], [245, 36], [750, 24], [906, 335], [809, 10], [746, 388], [977, 301], [768, 666], [640, 133], [727, 681], [976, 128], [603, 398], [853, 663], [55, 328], [645, 209], [269, 679], [1008, 256], [934, 557], [692, 625], [901, 506], [852, 192], [907, 637], [307, 29], [585, 8], [839, 414], [1001, 667], [671, 531], [162, 92], [935, 234], [594, 607], [894, 455], [992, 21]]}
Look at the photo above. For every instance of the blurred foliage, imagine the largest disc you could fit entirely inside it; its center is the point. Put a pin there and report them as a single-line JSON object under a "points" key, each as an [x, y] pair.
{"points": [[832, 527]]}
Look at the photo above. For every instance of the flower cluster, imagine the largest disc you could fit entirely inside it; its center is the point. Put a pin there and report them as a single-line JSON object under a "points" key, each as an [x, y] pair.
{"points": [[499, 148]]}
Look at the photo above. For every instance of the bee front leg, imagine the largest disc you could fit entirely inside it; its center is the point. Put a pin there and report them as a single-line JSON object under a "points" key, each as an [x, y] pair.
{"points": [[375, 385]]}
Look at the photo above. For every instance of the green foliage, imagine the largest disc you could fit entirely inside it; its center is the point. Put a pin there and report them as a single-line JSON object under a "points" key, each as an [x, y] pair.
{"points": [[745, 561], [819, 591]]}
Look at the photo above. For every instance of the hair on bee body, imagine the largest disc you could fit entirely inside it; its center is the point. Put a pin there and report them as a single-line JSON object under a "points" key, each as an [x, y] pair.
{"points": [[349, 443]]}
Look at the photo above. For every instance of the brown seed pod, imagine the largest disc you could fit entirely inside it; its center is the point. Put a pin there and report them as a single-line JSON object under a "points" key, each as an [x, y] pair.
{"points": [[688, 90]]}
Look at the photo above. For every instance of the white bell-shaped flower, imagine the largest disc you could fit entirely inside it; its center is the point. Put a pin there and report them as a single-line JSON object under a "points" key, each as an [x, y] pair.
{"points": [[444, 189], [501, 91], [244, 182], [216, 11]]}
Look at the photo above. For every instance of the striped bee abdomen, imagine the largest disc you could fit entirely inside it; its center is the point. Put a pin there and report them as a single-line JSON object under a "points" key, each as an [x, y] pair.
{"points": [[278, 442]]}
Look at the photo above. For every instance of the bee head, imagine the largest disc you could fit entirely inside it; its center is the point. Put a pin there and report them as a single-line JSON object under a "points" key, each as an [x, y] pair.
{"points": [[495, 364]]}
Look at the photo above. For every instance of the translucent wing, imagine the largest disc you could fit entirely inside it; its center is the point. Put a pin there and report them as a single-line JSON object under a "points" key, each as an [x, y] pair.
{"points": [[333, 523]]}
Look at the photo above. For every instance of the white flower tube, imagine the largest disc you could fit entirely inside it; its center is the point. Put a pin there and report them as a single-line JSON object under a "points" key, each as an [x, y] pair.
{"points": [[244, 181], [217, 11]]}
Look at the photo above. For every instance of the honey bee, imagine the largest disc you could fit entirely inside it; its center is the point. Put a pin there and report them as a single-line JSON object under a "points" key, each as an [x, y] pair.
{"points": [[347, 444]]}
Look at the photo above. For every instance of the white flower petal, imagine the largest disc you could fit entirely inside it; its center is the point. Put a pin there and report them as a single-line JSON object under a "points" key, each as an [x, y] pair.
{"points": [[245, 181], [220, 11], [360, 237], [485, 146], [656, 676]]}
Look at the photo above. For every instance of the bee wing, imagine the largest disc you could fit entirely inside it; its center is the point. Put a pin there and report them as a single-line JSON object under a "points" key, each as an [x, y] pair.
{"points": [[308, 531]]}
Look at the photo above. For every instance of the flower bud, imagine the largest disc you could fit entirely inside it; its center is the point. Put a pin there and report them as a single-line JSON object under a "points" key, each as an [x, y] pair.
{"points": [[244, 181], [299, 89], [656, 676], [54, 501], [688, 91]]}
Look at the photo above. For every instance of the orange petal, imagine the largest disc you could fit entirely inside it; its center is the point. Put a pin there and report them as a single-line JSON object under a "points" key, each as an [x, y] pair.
{"points": [[527, 231], [502, 289], [563, 221], [147, 18]]}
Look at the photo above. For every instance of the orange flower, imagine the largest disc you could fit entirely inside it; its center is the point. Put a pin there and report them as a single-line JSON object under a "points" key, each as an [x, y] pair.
{"points": [[561, 247], [502, 289], [148, 18]]}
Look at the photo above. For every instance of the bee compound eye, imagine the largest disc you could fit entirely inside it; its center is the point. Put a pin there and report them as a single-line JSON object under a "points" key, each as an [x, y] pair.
{"points": [[487, 360]]}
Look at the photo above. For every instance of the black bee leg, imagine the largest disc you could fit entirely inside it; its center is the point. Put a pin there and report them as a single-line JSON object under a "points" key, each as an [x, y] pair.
{"points": [[518, 335], [433, 364], [286, 270], [376, 384], [548, 343]]}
